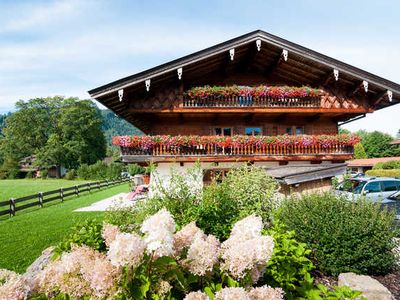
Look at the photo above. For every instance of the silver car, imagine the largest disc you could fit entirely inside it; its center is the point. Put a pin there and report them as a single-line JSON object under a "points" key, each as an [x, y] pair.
{"points": [[393, 203], [373, 188]]}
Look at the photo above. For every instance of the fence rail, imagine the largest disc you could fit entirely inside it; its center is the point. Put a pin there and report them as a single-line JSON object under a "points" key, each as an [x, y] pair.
{"points": [[17, 204]]}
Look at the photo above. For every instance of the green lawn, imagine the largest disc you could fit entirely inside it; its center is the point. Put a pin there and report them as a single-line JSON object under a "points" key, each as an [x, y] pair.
{"points": [[25, 236], [23, 187]]}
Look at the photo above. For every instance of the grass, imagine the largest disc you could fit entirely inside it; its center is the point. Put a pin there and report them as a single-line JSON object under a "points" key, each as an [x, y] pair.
{"points": [[25, 236], [23, 187]]}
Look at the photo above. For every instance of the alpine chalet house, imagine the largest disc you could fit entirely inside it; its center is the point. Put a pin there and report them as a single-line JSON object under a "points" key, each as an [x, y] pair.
{"points": [[255, 99]]}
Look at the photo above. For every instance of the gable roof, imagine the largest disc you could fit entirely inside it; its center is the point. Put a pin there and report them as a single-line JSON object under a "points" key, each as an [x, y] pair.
{"points": [[370, 162], [314, 65]]}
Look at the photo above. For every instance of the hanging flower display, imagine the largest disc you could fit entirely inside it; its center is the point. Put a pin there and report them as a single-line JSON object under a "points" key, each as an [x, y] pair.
{"points": [[258, 91], [146, 142]]}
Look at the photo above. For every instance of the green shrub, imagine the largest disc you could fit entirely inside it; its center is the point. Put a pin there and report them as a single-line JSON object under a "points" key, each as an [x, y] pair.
{"points": [[215, 208], [253, 191], [388, 165], [44, 173], [114, 171], [86, 233], [384, 173], [290, 265], [99, 171], [29, 175], [134, 169], [216, 212], [332, 293], [71, 174], [344, 236]]}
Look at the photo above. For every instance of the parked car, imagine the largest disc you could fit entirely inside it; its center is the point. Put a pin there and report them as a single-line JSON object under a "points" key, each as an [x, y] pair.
{"points": [[392, 202], [372, 188]]}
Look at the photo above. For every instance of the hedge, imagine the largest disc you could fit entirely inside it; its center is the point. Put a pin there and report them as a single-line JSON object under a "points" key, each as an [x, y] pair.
{"points": [[384, 173]]}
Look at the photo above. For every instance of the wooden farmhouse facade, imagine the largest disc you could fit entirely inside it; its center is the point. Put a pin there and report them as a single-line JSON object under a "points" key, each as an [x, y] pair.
{"points": [[256, 98]]}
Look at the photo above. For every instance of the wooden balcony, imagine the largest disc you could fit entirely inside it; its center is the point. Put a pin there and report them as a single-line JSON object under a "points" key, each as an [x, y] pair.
{"points": [[249, 101], [249, 151]]}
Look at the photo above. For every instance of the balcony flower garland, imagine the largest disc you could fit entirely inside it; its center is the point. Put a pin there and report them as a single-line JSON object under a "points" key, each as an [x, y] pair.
{"points": [[144, 142], [258, 91]]}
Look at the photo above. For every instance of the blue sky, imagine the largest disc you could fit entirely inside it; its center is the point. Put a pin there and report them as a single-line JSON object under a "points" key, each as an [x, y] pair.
{"points": [[68, 47]]}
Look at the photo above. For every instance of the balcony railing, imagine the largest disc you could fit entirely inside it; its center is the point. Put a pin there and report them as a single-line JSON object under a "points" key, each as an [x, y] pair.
{"points": [[250, 101], [235, 146], [210, 150]]}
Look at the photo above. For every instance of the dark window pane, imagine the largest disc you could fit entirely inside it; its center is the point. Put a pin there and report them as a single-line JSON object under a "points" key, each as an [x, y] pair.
{"points": [[249, 131], [373, 187], [218, 131], [227, 132], [299, 130], [389, 186], [257, 131], [289, 130]]}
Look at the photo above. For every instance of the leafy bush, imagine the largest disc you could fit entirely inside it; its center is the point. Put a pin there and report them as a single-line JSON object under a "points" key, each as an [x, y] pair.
{"points": [[44, 173], [178, 196], [134, 169], [29, 175], [215, 208], [335, 293], [387, 165], [71, 174], [253, 191], [290, 266], [114, 171], [87, 233], [344, 236], [384, 173], [217, 212], [99, 171]]}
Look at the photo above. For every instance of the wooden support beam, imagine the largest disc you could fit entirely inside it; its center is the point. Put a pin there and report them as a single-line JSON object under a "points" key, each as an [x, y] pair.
{"points": [[330, 76], [282, 57], [382, 96], [362, 86]]}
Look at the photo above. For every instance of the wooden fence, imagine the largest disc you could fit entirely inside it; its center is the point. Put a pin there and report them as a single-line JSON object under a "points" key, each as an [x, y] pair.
{"points": [[16, 204]]}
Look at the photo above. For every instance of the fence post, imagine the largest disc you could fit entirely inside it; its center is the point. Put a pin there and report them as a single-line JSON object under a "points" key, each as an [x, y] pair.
{"points": [[76, 190], [98, 184], [12, 207], [62, 194], [40, 195], [107, 182], [88, 186]]}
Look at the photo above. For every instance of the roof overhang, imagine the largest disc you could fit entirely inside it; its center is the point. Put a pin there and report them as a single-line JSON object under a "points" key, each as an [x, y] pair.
{"points": [[293, 49], [295, 174]]}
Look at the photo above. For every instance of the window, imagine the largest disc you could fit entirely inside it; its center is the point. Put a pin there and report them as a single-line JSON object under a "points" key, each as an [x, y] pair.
{"points": [[227, 131], [297, 130], [390, 186], [253, 131], [373, 187]]}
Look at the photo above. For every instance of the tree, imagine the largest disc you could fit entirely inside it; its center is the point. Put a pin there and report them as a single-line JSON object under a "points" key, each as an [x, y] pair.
{"points": [[343, 131], [377, 144], [77, 138], [359, 151], [27, 130], [398, 134], [58, 130]]}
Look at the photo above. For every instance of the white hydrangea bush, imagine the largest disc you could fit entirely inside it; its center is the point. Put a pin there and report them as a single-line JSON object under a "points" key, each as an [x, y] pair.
{"points": [[157, 251]]}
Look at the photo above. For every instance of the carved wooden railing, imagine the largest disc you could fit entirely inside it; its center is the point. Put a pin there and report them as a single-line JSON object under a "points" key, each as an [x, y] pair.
{"points": [[249, 101], [254, 150]]}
